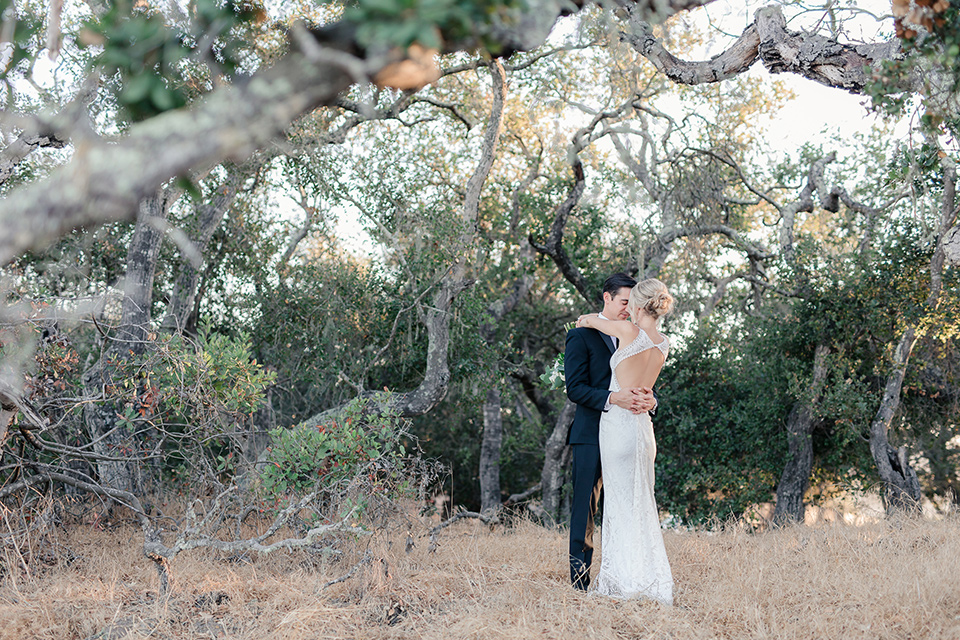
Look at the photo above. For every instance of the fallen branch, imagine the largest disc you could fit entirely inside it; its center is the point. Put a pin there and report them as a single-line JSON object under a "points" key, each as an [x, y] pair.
{"points": [[520, 497], [482, 517], [191, 537]]}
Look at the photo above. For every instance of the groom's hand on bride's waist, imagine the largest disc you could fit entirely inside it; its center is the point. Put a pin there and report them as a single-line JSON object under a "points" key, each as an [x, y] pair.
{"points": [[637, 400], [649, 401]]}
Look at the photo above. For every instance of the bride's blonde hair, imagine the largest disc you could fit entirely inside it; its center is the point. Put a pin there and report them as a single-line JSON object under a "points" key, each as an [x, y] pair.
{"points": [[652, 296]]}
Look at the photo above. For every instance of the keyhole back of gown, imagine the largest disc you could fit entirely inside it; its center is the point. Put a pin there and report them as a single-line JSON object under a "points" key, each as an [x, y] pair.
{"points": [[640, 344]]}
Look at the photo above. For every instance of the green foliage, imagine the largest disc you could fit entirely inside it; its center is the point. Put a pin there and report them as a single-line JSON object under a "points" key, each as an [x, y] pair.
{"points": [[427, 22], [190, 399], [363, 443], [921, 165], [720, 440], [323, 324], [145, 57], [184, 402], [143, 52], [554, 377], [726, 395], [930, 404], [204, 383], [931, 54]]}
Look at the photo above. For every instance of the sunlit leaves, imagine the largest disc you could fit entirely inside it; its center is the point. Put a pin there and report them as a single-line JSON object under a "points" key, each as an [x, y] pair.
{"points": [[144, 55], [930, 33]]}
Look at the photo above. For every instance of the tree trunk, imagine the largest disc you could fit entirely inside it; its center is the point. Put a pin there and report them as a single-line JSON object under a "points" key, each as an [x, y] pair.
{"points": [[551, 478], [902, 491], [800, 423], [116, 442], [490, 452], [492, 409], [951, 245], [183, 298], [901, 488], [436, 316]]}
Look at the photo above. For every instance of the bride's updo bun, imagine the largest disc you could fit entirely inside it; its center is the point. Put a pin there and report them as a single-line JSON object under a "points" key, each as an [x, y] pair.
{"points": [[652, 296]]}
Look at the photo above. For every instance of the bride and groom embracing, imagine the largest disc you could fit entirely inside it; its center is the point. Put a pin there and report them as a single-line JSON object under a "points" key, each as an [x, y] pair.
{"points": [[611, 363]]}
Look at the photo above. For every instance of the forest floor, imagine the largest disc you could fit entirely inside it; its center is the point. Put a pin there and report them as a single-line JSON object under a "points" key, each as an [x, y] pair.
{"points": [[892, 579]]}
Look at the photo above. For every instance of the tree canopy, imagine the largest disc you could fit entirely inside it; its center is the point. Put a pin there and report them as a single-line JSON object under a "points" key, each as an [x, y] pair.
{"points": [[263, 252]]}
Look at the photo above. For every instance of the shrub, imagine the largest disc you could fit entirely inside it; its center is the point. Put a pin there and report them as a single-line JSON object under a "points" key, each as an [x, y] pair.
{"points": [[352, 460]]}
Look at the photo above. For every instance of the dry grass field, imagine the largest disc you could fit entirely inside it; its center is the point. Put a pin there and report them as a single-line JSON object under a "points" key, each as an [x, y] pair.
{"points": [[894, 579]]}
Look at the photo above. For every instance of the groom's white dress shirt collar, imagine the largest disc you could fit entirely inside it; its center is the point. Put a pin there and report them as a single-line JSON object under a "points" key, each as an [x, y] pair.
{"points": [[613, 338]]}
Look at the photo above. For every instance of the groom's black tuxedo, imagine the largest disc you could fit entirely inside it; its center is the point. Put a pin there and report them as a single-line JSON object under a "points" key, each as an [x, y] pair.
{"points": [[586, 365], [586, 368]]}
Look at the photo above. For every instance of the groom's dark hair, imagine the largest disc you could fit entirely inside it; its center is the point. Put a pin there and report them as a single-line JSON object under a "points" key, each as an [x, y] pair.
{"points": [[614, 283]]}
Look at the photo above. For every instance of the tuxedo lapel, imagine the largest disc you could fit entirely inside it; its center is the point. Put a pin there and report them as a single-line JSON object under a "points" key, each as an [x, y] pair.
{"points": [[607, 340]]}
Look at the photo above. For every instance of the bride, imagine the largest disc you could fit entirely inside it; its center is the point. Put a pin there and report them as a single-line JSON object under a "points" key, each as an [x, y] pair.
{"points": [[634, 562]]}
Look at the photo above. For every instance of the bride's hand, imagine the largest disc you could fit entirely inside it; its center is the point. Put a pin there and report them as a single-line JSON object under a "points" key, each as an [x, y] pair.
{"points": [[580, 320]]}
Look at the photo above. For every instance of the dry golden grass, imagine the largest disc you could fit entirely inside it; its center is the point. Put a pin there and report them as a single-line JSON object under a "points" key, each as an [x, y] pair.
{"points": [[893, 579]]}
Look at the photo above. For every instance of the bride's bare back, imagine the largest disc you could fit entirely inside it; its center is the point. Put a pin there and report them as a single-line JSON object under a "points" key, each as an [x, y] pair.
{"points": [[643, 368], [636, 370]]}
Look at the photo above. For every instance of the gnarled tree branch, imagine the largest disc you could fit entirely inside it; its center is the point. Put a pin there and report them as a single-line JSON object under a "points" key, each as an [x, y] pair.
{"points": [[824, 60]]}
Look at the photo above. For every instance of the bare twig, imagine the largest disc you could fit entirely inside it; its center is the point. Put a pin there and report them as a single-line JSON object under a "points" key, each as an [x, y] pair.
{"points": [[349, 574]]}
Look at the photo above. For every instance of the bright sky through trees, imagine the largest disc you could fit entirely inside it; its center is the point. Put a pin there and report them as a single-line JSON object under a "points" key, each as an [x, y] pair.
{"points": [[815, 109]]}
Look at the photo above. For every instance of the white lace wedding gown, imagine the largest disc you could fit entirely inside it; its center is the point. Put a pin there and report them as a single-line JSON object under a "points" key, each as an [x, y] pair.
{"points": [[634, 561]]}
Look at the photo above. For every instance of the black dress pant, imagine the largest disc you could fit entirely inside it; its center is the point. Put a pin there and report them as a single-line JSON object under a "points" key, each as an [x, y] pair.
{"points": [[587, 485]]}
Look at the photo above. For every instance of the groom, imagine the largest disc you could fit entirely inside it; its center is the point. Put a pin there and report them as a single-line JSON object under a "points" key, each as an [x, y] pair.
{"points": [[587, 374]]}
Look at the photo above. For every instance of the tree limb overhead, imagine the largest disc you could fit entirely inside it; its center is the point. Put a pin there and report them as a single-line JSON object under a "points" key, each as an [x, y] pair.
{"points": [[818, 58]]}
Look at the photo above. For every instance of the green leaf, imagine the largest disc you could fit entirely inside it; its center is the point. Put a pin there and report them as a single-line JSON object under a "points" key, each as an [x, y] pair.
{"points": [[138, 88]]}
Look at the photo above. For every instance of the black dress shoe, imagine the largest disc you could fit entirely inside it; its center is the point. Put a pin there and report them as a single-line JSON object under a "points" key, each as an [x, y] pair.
{"points": [[579, 574]]}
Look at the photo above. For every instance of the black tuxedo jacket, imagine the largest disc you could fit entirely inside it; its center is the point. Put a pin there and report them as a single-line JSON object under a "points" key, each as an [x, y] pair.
{"points": [[586, 368]]}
